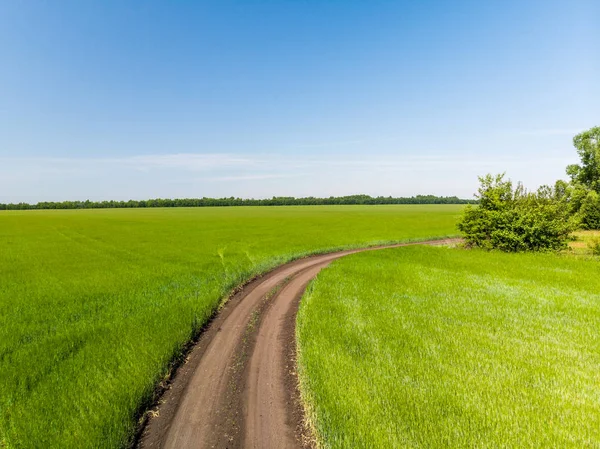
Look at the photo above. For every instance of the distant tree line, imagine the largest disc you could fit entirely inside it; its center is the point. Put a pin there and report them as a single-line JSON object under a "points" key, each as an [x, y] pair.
{"points": [[231, 201]]}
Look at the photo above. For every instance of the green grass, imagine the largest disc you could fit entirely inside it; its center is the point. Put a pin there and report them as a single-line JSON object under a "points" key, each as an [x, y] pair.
{"points": [[440, 347], [95, 304], [583, 244]]}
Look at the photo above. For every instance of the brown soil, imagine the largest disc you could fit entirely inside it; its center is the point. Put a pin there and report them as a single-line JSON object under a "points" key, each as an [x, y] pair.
{"points": [[238, 386]]}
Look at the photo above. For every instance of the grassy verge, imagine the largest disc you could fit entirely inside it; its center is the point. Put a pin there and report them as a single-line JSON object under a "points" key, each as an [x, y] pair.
{"points": [[95, 304], [438, 347]]}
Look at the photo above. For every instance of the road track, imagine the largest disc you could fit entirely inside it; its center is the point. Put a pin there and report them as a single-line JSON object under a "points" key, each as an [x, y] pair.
{"points": [[238, 387]]}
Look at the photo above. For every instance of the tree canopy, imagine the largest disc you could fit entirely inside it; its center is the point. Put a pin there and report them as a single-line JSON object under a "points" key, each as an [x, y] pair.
{"points": [[587, 173]]}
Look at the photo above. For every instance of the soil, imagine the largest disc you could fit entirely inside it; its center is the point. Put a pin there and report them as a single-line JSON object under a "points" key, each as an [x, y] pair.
{"points": [[238, 387]]}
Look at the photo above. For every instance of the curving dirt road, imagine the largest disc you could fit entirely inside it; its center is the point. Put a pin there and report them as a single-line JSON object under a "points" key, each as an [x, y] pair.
{"points": [[238, 387]]}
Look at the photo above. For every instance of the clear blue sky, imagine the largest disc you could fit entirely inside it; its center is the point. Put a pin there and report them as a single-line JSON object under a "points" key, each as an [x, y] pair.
{"points": [[138, 99]]}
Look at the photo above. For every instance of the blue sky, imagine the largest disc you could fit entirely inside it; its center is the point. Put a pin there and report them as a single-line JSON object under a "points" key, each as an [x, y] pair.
{"points": [[139, 99]]}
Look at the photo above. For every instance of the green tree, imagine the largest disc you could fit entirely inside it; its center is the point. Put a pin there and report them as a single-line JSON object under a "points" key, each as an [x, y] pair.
{"points": [[587, 173], [590, 211]]}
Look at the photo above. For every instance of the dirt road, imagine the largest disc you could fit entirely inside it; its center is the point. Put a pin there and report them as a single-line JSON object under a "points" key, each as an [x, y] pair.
{"points": [[238, 388]]}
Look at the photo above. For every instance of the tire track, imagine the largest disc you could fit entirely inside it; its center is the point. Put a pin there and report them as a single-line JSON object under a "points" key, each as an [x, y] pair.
{"points": [[238, 386]]}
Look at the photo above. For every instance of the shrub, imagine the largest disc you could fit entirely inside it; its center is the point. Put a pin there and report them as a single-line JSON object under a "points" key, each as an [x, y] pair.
{"points": [[594, 245], [590, 211], [512, 219]]}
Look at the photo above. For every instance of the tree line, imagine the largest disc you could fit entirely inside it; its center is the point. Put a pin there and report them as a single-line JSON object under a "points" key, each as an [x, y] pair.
{"points": [[231, 201]]}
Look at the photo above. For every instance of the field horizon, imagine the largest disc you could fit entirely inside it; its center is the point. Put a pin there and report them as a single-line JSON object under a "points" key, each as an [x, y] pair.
{"points": [[99, 302], [346, 200], [135, 313]]}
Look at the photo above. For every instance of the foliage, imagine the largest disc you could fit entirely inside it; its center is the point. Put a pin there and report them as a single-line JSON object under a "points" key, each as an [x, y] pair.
{"points": [[443, 348], [512, 219], [581, 195], [587, 173], [594, 245], [231, 201], [95, 304], [590, 211]]}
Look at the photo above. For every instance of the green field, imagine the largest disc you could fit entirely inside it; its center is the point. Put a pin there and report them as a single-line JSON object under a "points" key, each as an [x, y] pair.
{"points": [[94, 304], [441, 347]]}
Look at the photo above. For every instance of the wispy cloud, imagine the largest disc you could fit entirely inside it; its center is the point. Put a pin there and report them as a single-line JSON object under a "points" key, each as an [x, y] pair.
{"points": [[551, 132], [176, 161], [263, 166], [252, 177], [264, 175], [188, 161], [341, 143]]}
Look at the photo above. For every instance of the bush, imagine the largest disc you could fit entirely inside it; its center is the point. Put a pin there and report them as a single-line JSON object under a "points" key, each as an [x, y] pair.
{"points": [[594, 246], [516, 220], [590, 211]]}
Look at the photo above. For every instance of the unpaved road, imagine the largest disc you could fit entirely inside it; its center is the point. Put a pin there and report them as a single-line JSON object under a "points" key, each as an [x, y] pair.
{"points": [[238, 388]]}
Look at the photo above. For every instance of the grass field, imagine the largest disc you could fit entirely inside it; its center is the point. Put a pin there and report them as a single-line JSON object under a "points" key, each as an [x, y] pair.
{"points": [[440, 347], [94, 304]]}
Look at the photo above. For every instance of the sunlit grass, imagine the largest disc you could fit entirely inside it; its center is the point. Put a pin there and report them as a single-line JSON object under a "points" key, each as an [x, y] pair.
{"points": [[94, 304], [437, 347], [581, 246]]}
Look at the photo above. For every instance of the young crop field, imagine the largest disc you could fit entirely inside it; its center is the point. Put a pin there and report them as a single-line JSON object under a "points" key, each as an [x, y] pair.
{"points": [[444, 347], [95, 304]]}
